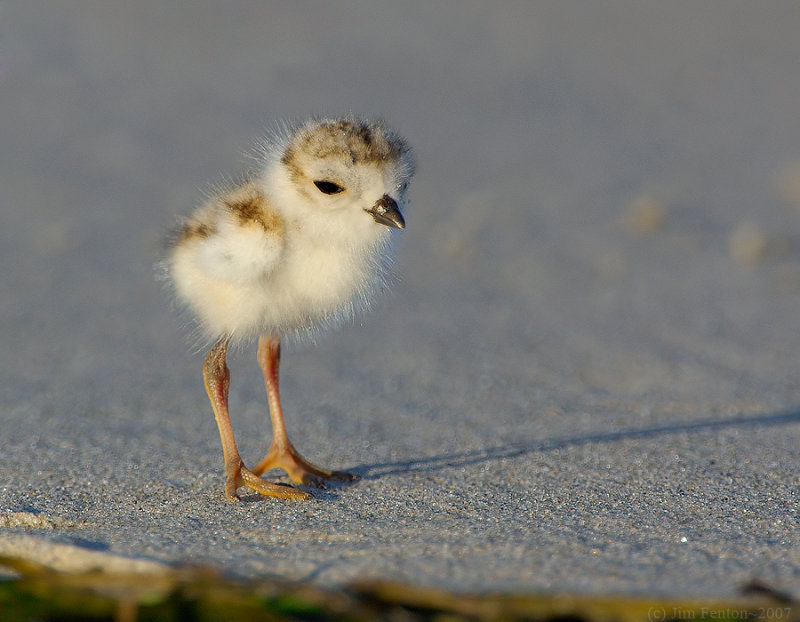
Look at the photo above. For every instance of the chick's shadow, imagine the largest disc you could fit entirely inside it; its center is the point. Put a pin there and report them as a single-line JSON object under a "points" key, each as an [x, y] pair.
{"points": [[513, 450]]}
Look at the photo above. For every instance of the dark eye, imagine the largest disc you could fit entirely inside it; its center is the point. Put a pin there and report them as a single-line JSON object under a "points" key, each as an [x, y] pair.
{"points": [[328, 187]]}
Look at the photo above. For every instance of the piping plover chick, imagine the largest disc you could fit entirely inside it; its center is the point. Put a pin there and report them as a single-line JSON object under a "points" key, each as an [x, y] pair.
{"points": [[302, 243]]}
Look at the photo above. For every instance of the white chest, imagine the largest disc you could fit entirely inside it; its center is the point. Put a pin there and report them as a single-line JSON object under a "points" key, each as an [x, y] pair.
{"points": [[327, 275], [324, 273]]}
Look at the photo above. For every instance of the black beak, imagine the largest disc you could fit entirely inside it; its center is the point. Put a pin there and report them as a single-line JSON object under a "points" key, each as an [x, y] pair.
{"points": [[385, 212]]}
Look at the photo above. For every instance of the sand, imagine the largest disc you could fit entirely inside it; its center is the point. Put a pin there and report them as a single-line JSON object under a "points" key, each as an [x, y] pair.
{"points": [[585, 378]]}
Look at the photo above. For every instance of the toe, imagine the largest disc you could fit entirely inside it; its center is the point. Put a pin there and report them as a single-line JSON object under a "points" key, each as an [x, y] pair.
{"points": [[255, 483]]}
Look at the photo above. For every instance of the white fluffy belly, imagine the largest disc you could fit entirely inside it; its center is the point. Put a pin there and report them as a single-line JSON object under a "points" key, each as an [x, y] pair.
{"points": [[321, 284]]}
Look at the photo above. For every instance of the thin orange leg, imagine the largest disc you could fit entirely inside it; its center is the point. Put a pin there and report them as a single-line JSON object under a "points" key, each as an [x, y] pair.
{"points": [[217, 377], [282, 454]]}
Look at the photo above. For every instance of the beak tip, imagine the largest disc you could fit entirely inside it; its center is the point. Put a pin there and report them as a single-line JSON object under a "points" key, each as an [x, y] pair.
{"points": [[386, 212]]}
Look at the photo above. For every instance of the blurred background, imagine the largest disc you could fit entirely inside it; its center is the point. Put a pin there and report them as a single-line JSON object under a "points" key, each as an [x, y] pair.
{"points": [[601, 184], [602, 234]]}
